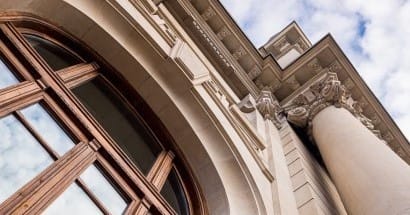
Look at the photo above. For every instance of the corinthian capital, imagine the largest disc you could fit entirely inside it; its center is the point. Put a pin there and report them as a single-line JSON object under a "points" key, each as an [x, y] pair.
{"points": [[328, 91], [269, 107]]}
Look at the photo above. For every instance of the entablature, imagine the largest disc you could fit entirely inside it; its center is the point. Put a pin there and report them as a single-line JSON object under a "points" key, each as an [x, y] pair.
{"points": [[326, 57], [247, 72]]}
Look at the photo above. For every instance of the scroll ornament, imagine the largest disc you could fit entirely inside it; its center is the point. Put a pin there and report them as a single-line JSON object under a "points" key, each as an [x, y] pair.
{"points": [[269, 107]]}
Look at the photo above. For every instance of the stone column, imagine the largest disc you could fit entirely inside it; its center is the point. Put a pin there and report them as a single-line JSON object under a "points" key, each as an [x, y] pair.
{"points": [[369, 176]]}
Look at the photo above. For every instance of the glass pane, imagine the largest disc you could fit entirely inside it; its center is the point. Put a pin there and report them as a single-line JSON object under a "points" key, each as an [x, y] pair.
{"points": [[56, 56], [111, 112], [7, 77], [103, 190], [73, 201], [21, 156], [173, 192], [48, 128]]}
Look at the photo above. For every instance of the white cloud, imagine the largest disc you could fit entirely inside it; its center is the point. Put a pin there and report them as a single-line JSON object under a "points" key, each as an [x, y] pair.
{"points": [[374, 36]]}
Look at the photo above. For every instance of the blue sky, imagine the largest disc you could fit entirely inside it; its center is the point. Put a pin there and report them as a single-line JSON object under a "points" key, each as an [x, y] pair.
{"points": [[373, 34]]}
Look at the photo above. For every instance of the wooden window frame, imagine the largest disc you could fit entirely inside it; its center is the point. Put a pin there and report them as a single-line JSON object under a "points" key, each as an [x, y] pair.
{"points": [[93, 145]]}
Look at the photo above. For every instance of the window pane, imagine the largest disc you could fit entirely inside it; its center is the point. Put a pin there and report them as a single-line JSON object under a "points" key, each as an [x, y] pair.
{"points": [[103, 190], [56, 56], [122, 125], [74, 201], [7, 77], [48, 128], [173, 192], [21, 156]]}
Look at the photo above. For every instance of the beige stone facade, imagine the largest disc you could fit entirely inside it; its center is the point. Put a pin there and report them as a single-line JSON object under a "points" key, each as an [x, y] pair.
{"points": [[289, 128]]}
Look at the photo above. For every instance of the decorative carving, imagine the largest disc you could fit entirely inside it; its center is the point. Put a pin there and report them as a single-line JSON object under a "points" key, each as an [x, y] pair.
{"points": [[247, 104], [269, 107], [315, 65], [349, 84], [205, 36], [223, 32], [388, 137], [217, 92], [240, 52], [157, 16], [292, 83], [375, 119], [254, 72], [258, 82], [274, 85], [282, 43], [208, 13], [301, 43], [166, 28], [298, 116], [335, 66], [326, 92]]}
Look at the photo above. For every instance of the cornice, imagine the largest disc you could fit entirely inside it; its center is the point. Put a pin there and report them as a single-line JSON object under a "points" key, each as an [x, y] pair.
{"points": [[283, 83]]}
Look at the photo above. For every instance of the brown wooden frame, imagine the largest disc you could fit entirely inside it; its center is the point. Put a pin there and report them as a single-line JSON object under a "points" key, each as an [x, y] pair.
{"points": [[52, 88]]}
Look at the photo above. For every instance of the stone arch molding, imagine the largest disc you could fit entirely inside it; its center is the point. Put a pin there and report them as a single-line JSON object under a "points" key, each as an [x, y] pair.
{"points": [[223, 183]]}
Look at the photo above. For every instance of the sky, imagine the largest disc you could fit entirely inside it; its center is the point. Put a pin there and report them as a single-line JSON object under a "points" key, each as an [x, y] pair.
{"points": [[373, 34]]}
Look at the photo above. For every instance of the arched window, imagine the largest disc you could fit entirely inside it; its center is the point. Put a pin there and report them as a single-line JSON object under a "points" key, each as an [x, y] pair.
{"points": [[74, 138]]}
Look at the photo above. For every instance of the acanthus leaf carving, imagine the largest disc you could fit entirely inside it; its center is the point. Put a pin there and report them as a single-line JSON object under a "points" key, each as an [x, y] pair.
{"points": [[269, 107], [328, 91]]}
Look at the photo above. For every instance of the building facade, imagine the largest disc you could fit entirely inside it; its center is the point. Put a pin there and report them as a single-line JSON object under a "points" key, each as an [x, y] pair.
{"points": [[165, 107]]}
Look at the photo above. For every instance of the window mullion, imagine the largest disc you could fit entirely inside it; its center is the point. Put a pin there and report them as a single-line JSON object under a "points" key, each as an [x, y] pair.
{"points": [[157, 176], [36, 135], [51, 183], [125, 187], [161, 168], [92, 196], [24, 48], [15, 96], [75, 75], [15, 63]]}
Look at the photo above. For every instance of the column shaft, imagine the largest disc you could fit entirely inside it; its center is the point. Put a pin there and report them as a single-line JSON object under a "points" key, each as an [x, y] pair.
{"points": [[369, 176]]}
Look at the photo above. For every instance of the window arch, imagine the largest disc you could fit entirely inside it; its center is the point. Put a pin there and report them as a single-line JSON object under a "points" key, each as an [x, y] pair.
{"points": [[86, 127]]}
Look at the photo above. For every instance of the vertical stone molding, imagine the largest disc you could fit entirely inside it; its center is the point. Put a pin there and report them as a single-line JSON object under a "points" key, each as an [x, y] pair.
{"points": [[269, 107], [369, 176]]}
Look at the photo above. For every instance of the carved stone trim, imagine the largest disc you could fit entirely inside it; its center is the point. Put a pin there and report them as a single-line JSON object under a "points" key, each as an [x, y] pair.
{"points": [[281, 43], [157, 16], [301, 43], [254, 72], [240, 52], [223, 32], [274, 85], [292, 83], [214, 47], [335, 66], [315, 65], [208, 13], [269, 107], [326, 92]]}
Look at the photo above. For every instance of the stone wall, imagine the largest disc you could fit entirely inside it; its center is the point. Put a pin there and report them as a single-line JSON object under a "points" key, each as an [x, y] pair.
{"points": [[314, 191]]}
